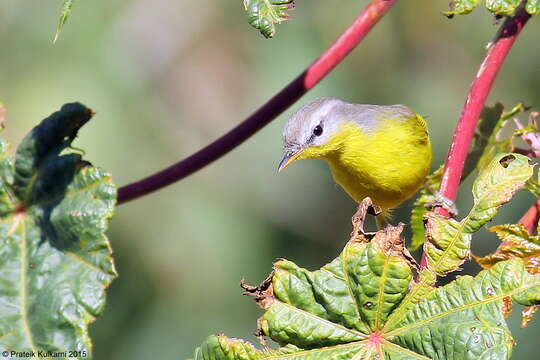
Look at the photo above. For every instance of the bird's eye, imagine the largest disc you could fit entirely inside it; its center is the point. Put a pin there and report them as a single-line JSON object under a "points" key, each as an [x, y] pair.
{"points": [[317, 131]]}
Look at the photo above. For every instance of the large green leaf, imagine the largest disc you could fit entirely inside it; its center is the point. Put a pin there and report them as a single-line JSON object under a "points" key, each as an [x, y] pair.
{"points": [[263, 15], [464, 319], [55, 260], [366, 305]]}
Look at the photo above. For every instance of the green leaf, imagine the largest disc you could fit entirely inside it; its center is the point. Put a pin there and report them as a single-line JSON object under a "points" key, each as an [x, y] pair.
{"points": [[55, 258], [426, 196], [497, 7], [533, 185], [533, 7], [460, 7], [64, 14], [222, 347], [496, 185], [365, 283], [447, 245], [516, 242], [463, 320], [486, 144], [449, 240], [503, 7], [365, 305], [264, 14]]}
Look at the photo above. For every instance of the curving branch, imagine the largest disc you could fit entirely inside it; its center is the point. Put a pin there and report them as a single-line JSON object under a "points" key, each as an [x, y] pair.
{"points": [[478, 93], [373, 12]]}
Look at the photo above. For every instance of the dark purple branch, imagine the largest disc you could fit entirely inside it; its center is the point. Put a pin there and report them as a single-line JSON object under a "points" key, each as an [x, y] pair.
{"points": [[374, 11]]}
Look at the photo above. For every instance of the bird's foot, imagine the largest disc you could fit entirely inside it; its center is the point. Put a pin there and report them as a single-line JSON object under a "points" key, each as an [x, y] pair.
{"points": [[443, 202]]}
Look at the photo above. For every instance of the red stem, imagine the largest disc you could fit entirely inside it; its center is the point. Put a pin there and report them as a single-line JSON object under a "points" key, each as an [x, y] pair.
{"points": [[478, 93], [531, 217], [269, 111]]}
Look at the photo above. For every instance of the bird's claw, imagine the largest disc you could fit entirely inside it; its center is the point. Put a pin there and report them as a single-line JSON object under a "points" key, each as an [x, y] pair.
{"points": [[443, 202]]}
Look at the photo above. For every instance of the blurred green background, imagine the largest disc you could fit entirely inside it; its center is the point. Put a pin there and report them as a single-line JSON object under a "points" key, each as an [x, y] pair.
{"points": [[166, 77]]}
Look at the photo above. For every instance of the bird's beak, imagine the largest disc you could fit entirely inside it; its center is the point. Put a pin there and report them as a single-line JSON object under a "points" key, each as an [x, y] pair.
{"points": [[288, 159]]}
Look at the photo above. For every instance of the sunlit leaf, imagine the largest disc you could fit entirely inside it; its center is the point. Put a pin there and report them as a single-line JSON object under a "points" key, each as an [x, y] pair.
{"points": [[447, 245], [516, 242], [486, 144], [503, 7], [449, 240], [533, 7], [496, 185], [464, 320], [460, 7], [263, 15], [55, 258], [497, 7]]}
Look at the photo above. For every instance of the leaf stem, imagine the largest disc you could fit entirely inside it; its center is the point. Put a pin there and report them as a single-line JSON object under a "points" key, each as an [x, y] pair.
{"points": [[478, 93], [531, 217], [373, 12]]}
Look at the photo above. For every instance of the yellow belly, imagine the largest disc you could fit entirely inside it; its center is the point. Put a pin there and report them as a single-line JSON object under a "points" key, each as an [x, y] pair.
{"points": [[389, 165]]}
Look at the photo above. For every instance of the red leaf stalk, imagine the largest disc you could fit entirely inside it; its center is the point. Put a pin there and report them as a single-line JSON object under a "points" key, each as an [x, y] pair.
{"points": [[374, 11], [478, 93], [531, 217]]}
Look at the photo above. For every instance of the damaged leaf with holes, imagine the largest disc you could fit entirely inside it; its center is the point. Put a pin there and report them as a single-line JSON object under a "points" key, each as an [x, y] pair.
{"points": [[55, 258], [263, 15], [516, 242], [448, 240], [368, 304]]}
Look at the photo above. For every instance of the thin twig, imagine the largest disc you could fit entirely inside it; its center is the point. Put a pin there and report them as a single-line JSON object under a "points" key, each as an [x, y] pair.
{"points": [[269, 111], [478, 93]]}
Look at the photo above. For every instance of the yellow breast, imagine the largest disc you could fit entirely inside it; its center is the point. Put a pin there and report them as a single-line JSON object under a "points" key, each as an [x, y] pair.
{"points": [[388, 164]]}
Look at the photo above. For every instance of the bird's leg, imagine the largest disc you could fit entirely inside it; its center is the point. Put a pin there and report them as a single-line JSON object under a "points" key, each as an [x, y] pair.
{"points": [[441, 201]]}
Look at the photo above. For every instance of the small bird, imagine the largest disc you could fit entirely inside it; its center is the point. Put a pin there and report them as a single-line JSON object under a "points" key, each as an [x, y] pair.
{"points": [[383, 152]]}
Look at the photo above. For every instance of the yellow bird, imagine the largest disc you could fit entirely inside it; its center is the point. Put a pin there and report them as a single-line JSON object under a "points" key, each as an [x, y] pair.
{"points": [[383, 152]]}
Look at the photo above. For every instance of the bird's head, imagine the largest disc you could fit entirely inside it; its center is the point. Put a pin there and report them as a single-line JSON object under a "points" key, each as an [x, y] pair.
{"points": [[311, 131]]}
